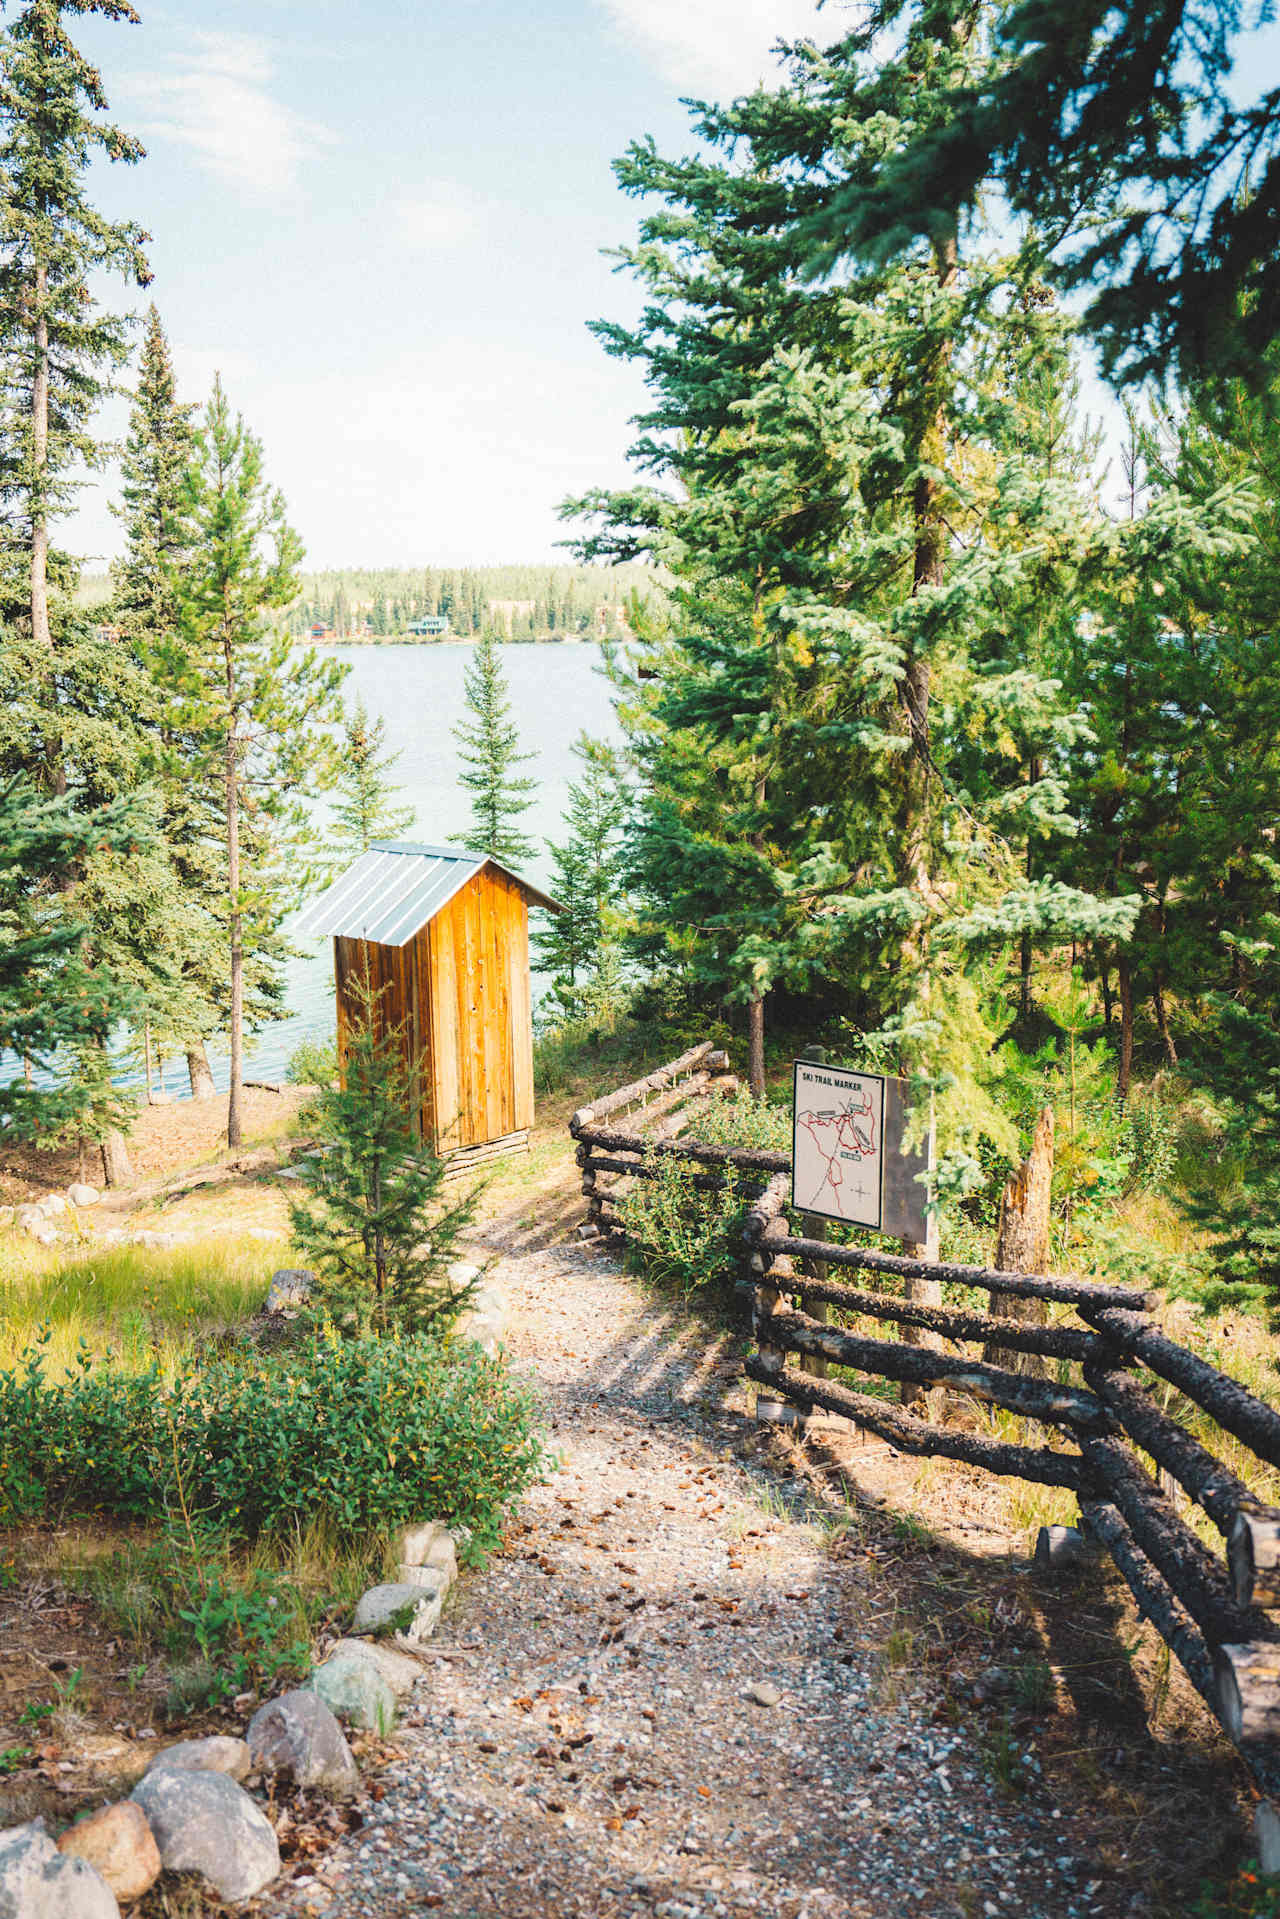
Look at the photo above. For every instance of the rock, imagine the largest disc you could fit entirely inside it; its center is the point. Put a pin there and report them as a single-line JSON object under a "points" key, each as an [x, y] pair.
{"points": [[764, 1692], [993, 1683], [120, 1844], [158, 1097], [203, 1822], [82, 1194], [53, 1206], [297, 1734], [290, 1287], [462, 1273], [217, 1753], [1266, 1830], [263, 1232], [430, 1543], [400, 1671], [1060, 1546], [407, 1614], [39, 1882], [354, 1690]]}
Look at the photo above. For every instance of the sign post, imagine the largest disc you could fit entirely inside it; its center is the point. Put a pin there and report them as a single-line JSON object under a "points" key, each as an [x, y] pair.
{"points": [[847, 1157]]}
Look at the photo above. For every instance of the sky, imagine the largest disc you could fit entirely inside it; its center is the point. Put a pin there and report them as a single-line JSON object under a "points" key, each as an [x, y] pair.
{"points": [[384, 222]]}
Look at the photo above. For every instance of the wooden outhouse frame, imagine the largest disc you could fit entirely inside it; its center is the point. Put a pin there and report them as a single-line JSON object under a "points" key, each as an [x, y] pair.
{"points": [[441, 937]]}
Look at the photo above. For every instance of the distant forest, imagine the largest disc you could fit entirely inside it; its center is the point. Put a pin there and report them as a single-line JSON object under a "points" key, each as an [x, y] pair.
{"points": [[516, 602]]}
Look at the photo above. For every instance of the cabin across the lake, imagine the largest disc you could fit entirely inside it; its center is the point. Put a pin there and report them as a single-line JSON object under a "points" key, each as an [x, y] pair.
{"points": [[442, 938]]}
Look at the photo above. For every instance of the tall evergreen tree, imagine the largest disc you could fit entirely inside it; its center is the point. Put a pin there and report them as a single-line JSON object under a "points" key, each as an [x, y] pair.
{"points": [[59, 350], [254, 711], [365, 809], [579, 945], [852, 520], [180, 1005], [490, 743]]}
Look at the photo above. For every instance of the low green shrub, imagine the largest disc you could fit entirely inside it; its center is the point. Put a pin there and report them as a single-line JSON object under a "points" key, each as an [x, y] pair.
{"points": [[354, 1434]]}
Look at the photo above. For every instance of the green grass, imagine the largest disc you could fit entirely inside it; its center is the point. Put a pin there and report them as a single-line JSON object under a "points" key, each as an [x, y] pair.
{"points": [[134, 1302]]}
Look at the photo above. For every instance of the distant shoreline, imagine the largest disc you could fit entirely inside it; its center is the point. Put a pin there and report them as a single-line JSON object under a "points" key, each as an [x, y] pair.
{"points": [[449, 639]]}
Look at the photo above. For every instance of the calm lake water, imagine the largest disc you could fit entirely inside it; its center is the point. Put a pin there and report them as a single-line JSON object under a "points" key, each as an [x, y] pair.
{"points": [[557, 691]]}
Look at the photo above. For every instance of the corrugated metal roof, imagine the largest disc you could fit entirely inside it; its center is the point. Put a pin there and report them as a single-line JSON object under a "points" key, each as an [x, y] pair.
{"points": [[394, 889]]}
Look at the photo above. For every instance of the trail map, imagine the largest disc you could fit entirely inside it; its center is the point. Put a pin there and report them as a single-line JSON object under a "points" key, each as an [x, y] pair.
{"points": [[838, 1143]]}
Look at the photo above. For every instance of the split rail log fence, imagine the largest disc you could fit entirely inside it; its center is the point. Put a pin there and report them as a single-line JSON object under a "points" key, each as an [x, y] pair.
{"points": [[1092, 1426]]}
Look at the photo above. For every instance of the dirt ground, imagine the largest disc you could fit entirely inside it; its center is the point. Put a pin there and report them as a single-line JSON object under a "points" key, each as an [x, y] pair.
{"points": [[951, 1734]]}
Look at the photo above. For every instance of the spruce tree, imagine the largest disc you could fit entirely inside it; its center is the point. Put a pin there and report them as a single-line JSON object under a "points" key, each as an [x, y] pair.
{"points": [[365, 808], [181, 1001], [253, 710], [56, 1002], [851, 519], [490, 753], [579, 945], [375, 1223]]}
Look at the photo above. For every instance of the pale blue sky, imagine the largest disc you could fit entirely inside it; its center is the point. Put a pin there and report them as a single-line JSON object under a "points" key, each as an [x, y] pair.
{"points": [[383, 222]]}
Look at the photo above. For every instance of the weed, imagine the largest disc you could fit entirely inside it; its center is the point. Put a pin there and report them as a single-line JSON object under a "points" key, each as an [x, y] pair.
{"points": [[14, 1758], [1004, 1758], [1033, 1685]]}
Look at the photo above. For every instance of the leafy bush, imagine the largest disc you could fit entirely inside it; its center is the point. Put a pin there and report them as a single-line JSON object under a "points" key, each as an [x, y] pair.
{"points": [[355, 1433], [684, 1236]]}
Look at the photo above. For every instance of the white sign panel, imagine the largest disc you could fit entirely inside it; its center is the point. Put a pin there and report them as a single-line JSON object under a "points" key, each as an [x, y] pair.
{"points": [[838, 1143]]}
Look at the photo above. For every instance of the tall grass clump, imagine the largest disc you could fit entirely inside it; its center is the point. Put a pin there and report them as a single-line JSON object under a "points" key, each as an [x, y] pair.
{"points": [[143, 1305]]}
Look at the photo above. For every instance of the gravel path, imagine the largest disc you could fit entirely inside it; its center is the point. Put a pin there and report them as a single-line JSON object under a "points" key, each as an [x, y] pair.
{"points": [[587, 1741]]}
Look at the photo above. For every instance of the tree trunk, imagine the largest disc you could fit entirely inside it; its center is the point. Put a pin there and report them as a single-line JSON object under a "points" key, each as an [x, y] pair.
{"points": [[1022, 1245], [928, 569], [1124, 979], [235, 1133], [202, 1086], [41, 632], [117, 1169], [146, 1053], [1104, 979], [1162, 1022], [755, 1046]]}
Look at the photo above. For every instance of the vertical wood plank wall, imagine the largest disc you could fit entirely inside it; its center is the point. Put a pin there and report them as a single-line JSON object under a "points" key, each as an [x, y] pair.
{"points": [[482, 1040], [460, 995]]}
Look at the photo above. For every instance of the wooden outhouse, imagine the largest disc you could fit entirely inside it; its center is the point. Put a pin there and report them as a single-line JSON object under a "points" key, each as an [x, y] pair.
{"points": [[442, 937]]}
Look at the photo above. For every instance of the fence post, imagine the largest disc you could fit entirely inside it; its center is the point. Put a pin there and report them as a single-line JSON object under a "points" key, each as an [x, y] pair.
{"points": [[811, 1226], [765, 1222]]}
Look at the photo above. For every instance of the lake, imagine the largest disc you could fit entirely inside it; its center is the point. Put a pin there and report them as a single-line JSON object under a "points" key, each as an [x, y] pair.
{"points": [[557, 692]]}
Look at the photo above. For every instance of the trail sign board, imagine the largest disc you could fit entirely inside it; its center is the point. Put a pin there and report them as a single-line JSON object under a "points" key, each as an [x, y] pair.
{"points": [[847, 1160]]}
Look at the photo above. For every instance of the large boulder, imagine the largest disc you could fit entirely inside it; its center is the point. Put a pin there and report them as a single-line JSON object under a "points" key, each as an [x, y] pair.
{"points": [[119, 1843], [400, 1611], [39, 1882], [355, 1691], [203, 1822], [217, 1753], [82, 1194], [297, 1734]]}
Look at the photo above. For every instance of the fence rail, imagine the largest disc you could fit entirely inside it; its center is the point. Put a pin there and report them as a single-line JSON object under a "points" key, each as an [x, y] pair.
{"points": [[1092, 1421]]}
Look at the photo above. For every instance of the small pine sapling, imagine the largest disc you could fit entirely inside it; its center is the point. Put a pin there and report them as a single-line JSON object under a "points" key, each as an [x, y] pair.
{"points": [[374, 1222], [490, 744]]}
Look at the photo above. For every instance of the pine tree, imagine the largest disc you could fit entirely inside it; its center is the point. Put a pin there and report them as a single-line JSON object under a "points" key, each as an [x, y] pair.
{"points": [[365, 808], [181, 1000], [490, 744], [253, 709], [850, 522], [374, 1222], [59, 350], [579, 945]]}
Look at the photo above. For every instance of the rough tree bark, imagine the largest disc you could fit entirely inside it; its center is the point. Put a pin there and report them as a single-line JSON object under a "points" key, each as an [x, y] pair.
{"points": [[1022, 1244], [199, 1072]]}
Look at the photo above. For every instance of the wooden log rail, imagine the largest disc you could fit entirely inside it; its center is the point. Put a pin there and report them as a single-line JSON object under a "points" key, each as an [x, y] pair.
{"points": [[1218, 1614], [621, 1134]]}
